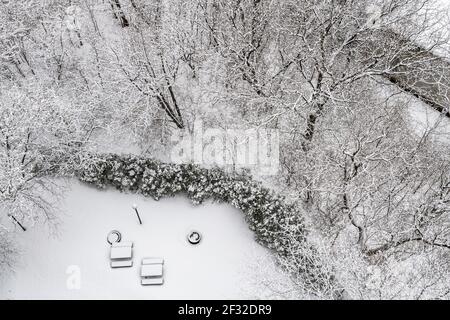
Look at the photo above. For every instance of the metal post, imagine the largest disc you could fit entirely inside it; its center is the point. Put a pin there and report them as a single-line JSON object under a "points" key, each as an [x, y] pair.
{"points": [[20, 225], [137, 213]]}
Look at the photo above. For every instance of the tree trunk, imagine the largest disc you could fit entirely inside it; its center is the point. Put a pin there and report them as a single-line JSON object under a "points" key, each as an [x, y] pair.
{"points": [[119, 14]]}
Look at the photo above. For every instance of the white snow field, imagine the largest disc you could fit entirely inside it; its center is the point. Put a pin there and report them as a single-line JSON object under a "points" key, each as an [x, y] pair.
{"points": [[227, 264]]}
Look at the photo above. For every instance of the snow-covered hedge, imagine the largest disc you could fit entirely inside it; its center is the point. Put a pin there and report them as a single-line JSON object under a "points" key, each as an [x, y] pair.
{"points": [[276, 224]]}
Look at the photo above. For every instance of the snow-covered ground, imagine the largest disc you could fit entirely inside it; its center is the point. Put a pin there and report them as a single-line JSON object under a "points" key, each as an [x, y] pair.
{"points": [[422, 118], [426, 119], [227, 264]]}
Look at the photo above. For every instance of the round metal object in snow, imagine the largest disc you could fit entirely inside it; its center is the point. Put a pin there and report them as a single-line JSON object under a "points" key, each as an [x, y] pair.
{"points": [[194, 237], [114, 236]]}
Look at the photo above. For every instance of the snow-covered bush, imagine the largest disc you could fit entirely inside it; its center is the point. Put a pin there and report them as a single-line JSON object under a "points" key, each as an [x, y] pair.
{"points": [[275, 223], [7, 252]]}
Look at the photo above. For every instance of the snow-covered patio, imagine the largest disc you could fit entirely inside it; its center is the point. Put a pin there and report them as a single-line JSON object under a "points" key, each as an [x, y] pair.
{"points": [[226, 264]]}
